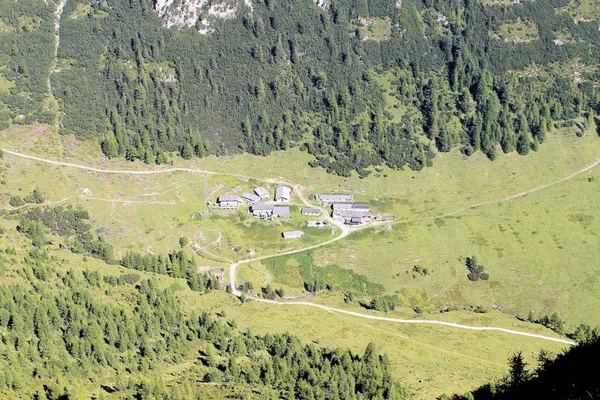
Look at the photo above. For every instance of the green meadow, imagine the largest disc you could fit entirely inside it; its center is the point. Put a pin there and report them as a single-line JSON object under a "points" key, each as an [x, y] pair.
{"points": [[429, 360], [540, 249]]}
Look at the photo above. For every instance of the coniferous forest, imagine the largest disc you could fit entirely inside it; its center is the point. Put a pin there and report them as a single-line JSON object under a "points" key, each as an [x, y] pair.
{"points": [[67, 333], [282, 74]]}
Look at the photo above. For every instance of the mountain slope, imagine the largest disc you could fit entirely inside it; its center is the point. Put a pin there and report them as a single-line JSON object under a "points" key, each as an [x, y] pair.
{"points": [[75, 327], [568, 376], [214, 78]]}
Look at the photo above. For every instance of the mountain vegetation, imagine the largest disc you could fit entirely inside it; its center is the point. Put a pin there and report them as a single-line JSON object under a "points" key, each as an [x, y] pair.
{"points": [[68, 331], [283, 74]]}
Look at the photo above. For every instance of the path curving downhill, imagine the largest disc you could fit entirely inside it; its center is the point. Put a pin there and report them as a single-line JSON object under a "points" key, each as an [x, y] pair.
{"points": [[345, 232], [415, 321]]}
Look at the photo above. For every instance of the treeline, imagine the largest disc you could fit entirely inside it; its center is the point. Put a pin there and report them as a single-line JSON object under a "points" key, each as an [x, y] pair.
{"points": [[176, 264], [570, 375], [309, 77], [69, 223], [72, 225], [61, 340]]}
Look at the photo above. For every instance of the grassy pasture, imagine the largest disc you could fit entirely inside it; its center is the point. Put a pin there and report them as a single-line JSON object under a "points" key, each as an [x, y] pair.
{"points": [[150, 213], [373, 28], [540, 252], [428, 359], [396, 107], [81, 11], [5, 84], [582, 10], [555, 273]]}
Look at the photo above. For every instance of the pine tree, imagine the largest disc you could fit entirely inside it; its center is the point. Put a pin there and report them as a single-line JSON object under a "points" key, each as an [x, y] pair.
{"points": [[518, 373]]}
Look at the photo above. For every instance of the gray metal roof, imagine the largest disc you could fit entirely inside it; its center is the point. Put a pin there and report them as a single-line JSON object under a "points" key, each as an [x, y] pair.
{"points": [[251, 197], [351, 214], [283, 192], [262, 192], [342, 206], [344, 213], [346, 206], [332, 198], [228, 198], [261, 207], [292, 234], [281, 211], [309, 210]]}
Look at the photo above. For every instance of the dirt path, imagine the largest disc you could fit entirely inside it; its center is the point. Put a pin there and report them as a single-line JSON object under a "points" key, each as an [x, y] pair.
{"points": [[33, 205], [414, 321], [345, 232], [298, 191], [526, 192], [133, 172]]}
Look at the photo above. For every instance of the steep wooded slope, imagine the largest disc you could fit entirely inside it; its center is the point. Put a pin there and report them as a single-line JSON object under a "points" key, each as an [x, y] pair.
{"points": [[266, 75]]}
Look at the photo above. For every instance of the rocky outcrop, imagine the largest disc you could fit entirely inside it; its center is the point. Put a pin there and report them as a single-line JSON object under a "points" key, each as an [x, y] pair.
{"points": [[197, 13]]}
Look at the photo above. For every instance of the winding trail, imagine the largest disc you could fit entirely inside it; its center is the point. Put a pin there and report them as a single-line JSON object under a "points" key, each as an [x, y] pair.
{"points": [[415, 321], [526, 192], [345, 231], [133, 172]]}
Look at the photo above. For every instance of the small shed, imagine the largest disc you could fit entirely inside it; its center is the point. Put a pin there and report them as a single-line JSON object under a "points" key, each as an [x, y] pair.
{"points": [[292, 234], [310, 211], [262, 192], [251, 198], [355, 220]]}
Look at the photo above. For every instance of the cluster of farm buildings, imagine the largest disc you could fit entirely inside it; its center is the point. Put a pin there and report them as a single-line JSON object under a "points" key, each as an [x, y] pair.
{"points": [[227, 201], [343, 208]]}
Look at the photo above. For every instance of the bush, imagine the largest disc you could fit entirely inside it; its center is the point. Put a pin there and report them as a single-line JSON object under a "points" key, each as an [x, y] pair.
{"points": [[383, 303], [36, 197], [129, 278], [475, 270], [553, 322], [183, 241], [480, 310], [16, 201]]}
